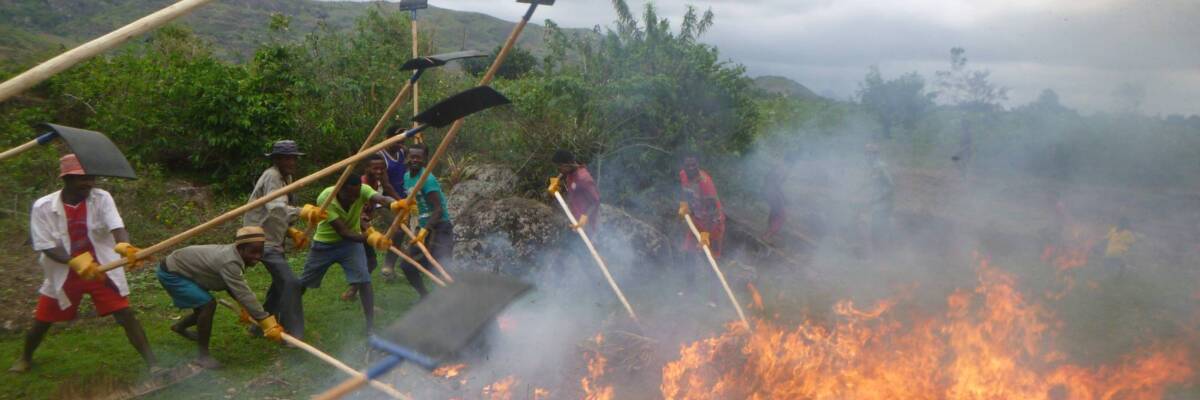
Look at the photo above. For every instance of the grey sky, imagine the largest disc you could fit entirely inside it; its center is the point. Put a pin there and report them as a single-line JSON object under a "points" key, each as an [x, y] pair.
{"points": [[1083, 49]]}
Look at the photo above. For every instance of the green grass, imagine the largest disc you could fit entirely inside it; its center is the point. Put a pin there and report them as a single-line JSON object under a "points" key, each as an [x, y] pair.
{"points": [[86, 357]]}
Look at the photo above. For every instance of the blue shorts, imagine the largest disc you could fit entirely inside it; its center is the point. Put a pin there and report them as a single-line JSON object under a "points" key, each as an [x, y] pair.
{"points": [[184, 292], [321, 256]]}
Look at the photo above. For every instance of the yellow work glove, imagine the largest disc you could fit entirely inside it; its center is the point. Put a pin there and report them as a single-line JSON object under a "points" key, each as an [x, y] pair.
{"points": [[378, 240], [554, 185], [704, 239], [244, 316], [299, 240], [420, 238], [129, 251], [86, 266], [401, 205], [313, 215], [683, 209], [271, 329], [581, 222]]}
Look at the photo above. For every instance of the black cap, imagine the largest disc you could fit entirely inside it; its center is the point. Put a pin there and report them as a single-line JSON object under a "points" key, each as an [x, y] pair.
{"points": [[563, 156], [285, 148]]}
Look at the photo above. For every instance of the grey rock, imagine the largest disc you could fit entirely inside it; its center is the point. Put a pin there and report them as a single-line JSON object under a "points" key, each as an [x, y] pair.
{"points": [[487, 181], [506, 235]]}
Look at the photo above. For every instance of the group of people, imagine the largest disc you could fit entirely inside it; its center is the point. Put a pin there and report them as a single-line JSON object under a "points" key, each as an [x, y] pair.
{"points": [[79, 228]]}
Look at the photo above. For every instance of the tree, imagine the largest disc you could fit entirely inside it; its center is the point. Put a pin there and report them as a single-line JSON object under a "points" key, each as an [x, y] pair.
{"points": [[520, 62], [969, 89], [898, 102]]}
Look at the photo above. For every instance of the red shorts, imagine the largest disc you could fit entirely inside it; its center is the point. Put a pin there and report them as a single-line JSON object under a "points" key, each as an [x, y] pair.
{"points": [[105, 296]]}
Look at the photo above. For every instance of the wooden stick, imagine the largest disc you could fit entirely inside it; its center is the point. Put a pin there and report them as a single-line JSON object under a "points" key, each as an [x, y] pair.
{"points": [[346, 387], [229, 215], [429, 256], [453, 132], [416, 264], [19, 149], [379, 127], [716, 269], [49, 68], [415, 53], [596, 256], [328, 359]]}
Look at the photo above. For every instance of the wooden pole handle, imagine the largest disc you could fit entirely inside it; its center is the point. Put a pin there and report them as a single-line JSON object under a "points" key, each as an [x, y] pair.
{"points": [[713, 261], [53, 66], [19, 149], [417, 265], [328, 359], [416, 103], [229, 215], [341, 390], [380, 125], [428, 255], [453, 132], [596, 256]]}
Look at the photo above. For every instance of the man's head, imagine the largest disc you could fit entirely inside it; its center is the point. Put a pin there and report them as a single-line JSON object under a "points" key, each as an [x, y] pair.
{"points": [[285, 155], [250, 241], [565, 161], [392, 132], [75, 180], [375, 167], [416, 157], [691, 164]]}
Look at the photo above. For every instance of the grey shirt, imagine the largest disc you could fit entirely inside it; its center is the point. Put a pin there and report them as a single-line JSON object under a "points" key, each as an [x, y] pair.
{"points": [[216, 267], [277, 214]]}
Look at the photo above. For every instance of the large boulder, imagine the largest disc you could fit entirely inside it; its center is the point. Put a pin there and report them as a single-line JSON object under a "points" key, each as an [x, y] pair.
{"points": [[506, 235], [488, 181], [620, 230]]}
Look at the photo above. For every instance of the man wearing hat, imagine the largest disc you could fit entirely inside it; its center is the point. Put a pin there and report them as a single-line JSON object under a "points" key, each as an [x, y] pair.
{"points": [[581, 193], [275, 218], [79, 227], [190, 273]]}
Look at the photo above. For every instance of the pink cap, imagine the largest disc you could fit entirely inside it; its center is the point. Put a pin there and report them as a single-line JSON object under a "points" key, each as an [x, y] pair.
{"points": [[69, 165]]}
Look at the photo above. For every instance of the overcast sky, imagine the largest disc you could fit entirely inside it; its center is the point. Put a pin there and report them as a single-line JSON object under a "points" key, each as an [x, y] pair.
{"points": [[1083, 49]]}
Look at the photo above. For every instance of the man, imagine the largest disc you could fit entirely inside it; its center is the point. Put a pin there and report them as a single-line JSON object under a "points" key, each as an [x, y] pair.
{"points": [[1120, 239], [581, 193], [339, 239], [393, 157], [190, 273], [772, 190], [437, 232], [374, 176], [702, 202], [283, 296], [79, 227], [880, 194]]}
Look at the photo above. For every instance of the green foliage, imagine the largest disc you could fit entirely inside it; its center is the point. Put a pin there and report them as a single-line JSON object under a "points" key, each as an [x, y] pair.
{"points": [[517, 64], [897, 102]]}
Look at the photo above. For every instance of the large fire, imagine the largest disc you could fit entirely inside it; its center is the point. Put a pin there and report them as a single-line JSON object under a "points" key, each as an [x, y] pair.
{"points": [[990, 343]]}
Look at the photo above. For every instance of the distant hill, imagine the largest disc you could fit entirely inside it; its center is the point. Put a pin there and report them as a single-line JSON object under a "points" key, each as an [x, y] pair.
{"points": [[33, 30], [784, 86]]}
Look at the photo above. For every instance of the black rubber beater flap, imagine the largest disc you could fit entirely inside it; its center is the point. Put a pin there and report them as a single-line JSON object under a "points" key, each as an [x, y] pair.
{"points": [[540, 2], [409, 5], [450, 317], [438, 60], [458, 106], [98, 155]]}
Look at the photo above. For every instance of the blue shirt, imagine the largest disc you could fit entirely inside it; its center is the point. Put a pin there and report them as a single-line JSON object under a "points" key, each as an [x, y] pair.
{"points": [[395, 172], [431, 186]]}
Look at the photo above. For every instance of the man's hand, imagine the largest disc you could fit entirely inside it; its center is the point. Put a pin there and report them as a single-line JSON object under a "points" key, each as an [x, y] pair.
{"points": [[378, 240], [420, 238], [581, 222], [683, 209], [244, 316], [554, 185], [299, 240], [129, 251], [86, 266], [271, 329], [400, 206], [313, 215]]}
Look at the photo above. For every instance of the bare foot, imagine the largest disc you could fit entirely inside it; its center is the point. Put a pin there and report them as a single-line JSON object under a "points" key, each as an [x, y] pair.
{"points": [[350, 294], [20, 366], [207, 362], [189, 335]]}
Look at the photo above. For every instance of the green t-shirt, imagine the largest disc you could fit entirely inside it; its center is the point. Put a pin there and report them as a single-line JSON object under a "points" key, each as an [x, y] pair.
{"points": [[325, 232], [431, 185]]}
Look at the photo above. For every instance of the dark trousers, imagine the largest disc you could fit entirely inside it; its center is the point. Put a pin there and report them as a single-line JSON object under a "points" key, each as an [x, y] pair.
{"points": [[441, 246], [283, 297]]}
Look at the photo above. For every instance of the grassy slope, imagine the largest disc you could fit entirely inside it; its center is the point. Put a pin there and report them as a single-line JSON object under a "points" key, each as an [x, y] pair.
{"points": [[94, 353], [31, 30]]}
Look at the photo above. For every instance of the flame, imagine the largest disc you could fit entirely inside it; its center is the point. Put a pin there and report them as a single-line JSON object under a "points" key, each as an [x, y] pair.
{"points": [[501, 389], [755, 297], [449, 371], [596, 363], [541, 393], [990, 343]]}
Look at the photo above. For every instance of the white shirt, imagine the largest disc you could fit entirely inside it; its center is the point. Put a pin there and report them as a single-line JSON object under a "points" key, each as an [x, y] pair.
{"points": [[48, 228]]}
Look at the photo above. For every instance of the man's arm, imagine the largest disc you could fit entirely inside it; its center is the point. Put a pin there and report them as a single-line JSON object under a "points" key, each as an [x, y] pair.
{"points": [[235, 284], [390, 190], [344, 231], [59, 254], [383, 200], [40, 224], [435, 209], [120, 235]]}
